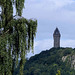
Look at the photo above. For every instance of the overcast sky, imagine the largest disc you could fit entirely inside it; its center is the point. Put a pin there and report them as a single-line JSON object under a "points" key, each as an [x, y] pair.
{"points": [[51, 14]]}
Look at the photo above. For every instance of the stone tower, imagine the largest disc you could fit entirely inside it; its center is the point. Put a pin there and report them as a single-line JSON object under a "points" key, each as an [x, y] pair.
{"points": [[56, 37]]}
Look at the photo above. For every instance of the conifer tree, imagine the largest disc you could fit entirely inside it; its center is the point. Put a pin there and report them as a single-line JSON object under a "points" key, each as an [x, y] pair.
{"points": [[16, 36]]}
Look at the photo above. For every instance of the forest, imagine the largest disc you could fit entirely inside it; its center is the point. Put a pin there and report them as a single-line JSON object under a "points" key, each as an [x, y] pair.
{"points": [[50, 62]]}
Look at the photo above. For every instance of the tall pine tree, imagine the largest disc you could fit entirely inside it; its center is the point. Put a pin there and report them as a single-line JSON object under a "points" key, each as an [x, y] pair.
{"points": [[16, 36]]}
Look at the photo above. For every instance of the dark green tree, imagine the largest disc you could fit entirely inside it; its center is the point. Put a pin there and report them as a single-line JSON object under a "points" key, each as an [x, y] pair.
{"points": [[16, 36]]}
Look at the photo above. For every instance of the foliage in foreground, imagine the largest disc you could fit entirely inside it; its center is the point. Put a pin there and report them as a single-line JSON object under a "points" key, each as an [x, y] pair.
{"points": [[16, 36]]}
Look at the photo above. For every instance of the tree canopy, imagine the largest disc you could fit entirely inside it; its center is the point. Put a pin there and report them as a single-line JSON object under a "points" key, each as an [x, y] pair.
{"points": [[50, 62], [16, 36]]}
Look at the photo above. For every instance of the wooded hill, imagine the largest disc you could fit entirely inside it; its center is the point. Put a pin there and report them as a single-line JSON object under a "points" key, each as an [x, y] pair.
{"points": [[50, 61]]}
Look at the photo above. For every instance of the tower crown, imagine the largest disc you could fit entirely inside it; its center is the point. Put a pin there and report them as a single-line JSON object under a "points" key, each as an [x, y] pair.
{"points": [[56, 32]]}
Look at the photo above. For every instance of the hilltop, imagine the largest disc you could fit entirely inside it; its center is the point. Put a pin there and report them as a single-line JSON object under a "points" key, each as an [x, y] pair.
{"points": [[49, 61]]}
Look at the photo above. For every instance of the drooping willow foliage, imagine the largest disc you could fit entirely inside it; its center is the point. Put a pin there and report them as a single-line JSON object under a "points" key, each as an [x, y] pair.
{"points": [[16, 36]]}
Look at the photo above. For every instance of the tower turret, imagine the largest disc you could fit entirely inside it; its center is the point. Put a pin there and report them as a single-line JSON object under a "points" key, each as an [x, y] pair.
{"points": [[56, 37]]}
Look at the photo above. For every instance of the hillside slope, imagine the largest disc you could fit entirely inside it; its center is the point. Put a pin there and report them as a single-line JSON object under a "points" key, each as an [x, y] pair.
{"points": [[50, 61]]}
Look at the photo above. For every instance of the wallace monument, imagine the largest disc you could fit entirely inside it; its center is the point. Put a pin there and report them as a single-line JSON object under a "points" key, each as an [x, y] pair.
{"points": [[56, 37]]}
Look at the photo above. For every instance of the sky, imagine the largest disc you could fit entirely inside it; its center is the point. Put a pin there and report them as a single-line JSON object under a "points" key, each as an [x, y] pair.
{"points": [[51, 14]]}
